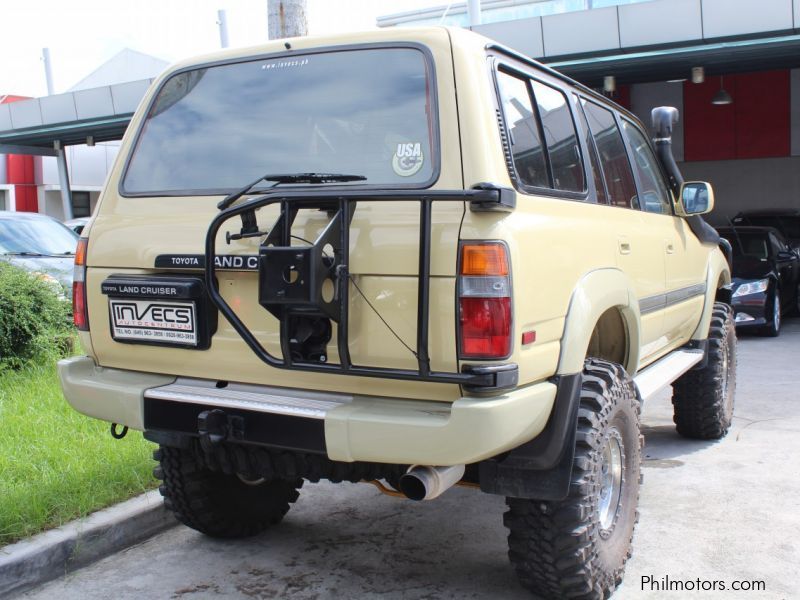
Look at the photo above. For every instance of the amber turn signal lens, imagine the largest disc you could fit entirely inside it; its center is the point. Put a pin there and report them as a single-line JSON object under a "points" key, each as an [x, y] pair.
{"points": [[80, 252], [484, 259]]}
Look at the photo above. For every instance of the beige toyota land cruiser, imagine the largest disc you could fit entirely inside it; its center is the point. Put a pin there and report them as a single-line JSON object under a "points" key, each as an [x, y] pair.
{"points": [[410, 257]]}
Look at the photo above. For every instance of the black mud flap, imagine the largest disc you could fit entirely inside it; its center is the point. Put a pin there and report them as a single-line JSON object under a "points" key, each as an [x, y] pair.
{"points": [[542, 468]]}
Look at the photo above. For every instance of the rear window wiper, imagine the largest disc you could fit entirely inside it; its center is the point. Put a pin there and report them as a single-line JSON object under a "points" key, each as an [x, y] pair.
{"points": [[315, 178]]}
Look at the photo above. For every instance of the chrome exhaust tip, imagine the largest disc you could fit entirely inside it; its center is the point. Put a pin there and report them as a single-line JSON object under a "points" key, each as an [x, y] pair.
{"points": [[427, 483]]}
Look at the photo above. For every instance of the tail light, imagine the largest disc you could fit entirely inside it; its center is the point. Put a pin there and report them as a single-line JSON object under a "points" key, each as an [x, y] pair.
{"points": [[80, 315], [484, 301]]}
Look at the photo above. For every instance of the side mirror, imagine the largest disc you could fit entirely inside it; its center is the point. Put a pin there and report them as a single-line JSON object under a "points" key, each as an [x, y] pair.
{"points": [[696, 198], [783, 256]]}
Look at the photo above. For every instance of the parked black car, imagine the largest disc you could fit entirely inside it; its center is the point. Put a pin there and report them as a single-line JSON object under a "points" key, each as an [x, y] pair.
{"points": [[765, 277], [787, 221]]}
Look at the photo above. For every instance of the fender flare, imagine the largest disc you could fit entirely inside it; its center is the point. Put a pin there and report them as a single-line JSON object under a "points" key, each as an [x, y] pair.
{"points": [[718, 271], [597, 292]]}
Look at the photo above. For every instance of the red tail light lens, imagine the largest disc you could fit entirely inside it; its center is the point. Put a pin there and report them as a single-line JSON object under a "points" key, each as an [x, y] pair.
{"points": [[485, 327], [80, 314], [484, 301]]}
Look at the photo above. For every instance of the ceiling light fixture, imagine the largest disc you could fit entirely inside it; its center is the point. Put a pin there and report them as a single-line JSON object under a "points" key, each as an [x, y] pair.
{"points": [[721, 97]]}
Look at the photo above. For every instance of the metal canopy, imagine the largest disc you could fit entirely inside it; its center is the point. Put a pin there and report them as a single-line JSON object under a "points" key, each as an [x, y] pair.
{"points": [[101, 113], [101, 130], [739, 56]]}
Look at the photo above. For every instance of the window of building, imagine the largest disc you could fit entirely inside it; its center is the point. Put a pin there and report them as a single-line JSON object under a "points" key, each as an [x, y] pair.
{"points": [[560, 137], [3, 205], [613, 158], [81, 204], [525, 140], [654, 196]]}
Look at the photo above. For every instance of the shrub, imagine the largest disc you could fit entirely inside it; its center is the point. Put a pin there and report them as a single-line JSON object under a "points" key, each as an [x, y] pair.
{"points": [[34, 321]]}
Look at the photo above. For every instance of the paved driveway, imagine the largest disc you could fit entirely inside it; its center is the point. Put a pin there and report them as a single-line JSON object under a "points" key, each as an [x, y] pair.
{"points": [[724, 511]]}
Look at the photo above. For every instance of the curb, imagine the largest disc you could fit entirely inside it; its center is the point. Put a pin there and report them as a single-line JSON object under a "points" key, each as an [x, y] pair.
{"points": [[54, 553]]}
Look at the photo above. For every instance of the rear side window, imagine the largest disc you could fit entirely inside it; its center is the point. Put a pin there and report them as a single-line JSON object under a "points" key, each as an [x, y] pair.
{"points": [[613, 158], [654, 196], [560, 137], [527, 152], [542, 136], [600, 188]]}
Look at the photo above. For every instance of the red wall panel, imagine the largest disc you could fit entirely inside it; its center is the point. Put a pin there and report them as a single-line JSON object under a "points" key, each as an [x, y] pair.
{"points": [[20, 168], [709, 130], [755, 125], [623, 96], [761, 103], [26, 198]]}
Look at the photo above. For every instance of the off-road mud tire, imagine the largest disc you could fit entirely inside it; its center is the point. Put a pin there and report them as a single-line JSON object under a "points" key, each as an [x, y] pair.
{"points": [[559, 549], [702, 399], [217, 504]]}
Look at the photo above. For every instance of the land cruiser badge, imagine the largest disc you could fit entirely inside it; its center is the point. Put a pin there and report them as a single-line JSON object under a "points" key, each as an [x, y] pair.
{"points": [[408, 159]]}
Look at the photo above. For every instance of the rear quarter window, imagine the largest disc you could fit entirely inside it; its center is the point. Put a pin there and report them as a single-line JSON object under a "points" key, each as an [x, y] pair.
{"points": [[613, 157], [544, 142]]}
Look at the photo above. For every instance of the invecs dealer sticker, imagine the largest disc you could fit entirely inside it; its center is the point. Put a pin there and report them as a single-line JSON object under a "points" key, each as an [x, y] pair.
{"points": [[408, 159]]}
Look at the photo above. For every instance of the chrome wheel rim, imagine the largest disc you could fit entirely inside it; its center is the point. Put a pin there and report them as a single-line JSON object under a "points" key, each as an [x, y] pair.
{"points": [[610, 480], [776, 311]]}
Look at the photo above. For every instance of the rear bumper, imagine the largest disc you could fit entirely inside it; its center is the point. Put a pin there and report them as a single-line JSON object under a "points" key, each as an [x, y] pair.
{"points": [[347, 427]]}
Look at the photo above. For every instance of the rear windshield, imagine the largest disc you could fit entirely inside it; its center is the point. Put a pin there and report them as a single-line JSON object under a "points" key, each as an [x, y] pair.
{"points": [[357, 112]]}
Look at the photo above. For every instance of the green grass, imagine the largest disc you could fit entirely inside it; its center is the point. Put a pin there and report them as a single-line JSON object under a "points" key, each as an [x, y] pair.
{"points": [[55, 464]]}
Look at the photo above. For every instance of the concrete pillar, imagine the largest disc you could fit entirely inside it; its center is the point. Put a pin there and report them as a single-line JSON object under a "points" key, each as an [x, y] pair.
{"points": [[63, 181], [222, 21], [474, 12]]}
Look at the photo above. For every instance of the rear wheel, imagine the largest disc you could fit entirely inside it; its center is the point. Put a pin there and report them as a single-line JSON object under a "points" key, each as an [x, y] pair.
{"points": [[219, 504], [578, 547], [773, 327], [702, 399]]}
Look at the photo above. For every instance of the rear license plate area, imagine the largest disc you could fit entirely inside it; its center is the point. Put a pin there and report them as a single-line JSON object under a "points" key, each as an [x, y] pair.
{"points": [[162, 311], [154, 321]]}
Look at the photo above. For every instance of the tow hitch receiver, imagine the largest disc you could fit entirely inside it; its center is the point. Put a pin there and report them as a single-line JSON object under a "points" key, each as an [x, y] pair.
{"points": [[216, 426]]}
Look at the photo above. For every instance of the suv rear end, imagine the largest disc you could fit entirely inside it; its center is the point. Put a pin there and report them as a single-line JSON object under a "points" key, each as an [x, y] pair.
{"points": [[374, 342]]}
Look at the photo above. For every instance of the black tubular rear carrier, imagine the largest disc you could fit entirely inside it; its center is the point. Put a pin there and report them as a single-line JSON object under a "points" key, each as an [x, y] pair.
{"points": [[291, 281]]}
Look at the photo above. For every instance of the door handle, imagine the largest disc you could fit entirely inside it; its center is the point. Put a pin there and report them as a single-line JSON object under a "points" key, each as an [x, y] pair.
{"points": [[670, 249], [624, 247]]}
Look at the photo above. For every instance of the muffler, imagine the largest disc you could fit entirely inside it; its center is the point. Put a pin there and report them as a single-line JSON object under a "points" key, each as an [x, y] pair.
{"points": [[427, 483]]}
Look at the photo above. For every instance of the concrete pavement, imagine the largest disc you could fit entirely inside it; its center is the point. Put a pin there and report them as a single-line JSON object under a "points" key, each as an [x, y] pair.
{"points": [[718, 511]]}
